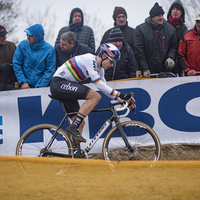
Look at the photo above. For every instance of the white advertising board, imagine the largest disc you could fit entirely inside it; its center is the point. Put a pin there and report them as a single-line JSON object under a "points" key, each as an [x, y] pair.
{"points": [[171, 106]]}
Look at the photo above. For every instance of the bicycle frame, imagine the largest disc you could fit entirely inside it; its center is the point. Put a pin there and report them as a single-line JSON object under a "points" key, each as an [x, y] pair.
{"points": [[114, 117]]}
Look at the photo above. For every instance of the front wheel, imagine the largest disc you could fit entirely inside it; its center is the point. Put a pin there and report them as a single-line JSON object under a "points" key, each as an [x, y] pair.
{"points": [[144, 143]]}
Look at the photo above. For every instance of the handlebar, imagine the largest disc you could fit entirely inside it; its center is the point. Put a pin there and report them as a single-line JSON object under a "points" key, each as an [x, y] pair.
{"points": [[124, 105]]}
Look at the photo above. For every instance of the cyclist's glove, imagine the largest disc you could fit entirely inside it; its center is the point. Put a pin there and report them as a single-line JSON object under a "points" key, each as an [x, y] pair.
{"points": [[125, 96]]}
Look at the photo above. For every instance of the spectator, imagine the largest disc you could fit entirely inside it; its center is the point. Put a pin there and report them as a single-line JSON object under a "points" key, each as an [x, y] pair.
{"points": [[176, 17], [127, 66], [84, 34], [189, 51], [7, 49], [120, 18], [69, 47], [155, 43], [34, 60]]}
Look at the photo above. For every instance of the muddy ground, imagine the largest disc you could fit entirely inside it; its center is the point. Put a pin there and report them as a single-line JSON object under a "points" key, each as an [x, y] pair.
{"points": [[173, 152]]}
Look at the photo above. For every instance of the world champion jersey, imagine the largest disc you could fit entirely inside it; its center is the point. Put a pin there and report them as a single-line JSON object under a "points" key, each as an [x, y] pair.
{"points": [[80, 68]]}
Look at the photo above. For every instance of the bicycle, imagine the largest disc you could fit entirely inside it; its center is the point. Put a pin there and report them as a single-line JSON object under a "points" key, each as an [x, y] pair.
{"points": [[129, 140]]}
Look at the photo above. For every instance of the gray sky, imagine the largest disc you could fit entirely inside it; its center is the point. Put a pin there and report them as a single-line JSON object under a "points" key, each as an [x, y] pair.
{"points": [[137, 11]]}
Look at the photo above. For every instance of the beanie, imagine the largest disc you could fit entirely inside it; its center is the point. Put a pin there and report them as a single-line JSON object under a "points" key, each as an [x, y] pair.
{"points": [[116, 35], [156, 10], [117, 11]]}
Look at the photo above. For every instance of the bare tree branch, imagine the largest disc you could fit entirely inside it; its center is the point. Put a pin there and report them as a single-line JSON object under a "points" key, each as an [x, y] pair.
{"points": [[43, 17], [9, 12], [96, 25]]}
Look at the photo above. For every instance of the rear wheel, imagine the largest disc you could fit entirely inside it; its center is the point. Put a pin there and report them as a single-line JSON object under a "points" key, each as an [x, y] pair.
{"points": [[33, 142]]}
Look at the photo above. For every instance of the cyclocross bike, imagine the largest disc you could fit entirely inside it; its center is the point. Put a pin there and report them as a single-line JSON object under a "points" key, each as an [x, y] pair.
{"points": [[129, 140]]}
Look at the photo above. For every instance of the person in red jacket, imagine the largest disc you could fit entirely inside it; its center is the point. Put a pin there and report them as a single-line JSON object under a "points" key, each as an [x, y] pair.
{"points": [[189, 50]]}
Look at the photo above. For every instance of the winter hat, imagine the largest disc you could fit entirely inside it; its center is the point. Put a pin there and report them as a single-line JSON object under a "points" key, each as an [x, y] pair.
{"points": [[156, 10], [2, 31], [116, 35], [37, 31], [117, 11]]}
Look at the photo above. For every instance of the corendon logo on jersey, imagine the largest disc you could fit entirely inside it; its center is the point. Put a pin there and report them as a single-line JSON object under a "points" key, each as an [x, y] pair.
{"points": [[69, 87]]}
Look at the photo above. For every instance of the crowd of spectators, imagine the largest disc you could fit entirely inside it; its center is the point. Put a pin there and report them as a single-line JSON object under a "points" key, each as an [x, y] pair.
{"points": [[153, 47]]}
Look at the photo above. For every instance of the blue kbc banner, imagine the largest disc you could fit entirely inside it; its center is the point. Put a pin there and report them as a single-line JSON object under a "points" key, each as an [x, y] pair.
{"points": [[171, 106]]}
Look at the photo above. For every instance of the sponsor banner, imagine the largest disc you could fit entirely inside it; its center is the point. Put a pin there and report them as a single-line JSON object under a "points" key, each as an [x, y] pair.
{"points": [[171, 106]]}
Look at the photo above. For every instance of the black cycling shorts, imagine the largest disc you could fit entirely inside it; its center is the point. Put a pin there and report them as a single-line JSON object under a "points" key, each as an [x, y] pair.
{"points": [[69, 92]]}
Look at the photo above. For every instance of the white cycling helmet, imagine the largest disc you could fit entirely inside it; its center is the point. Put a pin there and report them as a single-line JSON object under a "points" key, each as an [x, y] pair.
{"points": [[111, 51]]}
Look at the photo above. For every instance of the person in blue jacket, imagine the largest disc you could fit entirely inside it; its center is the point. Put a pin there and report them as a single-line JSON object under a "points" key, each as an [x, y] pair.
{"points": [[34, 61]]}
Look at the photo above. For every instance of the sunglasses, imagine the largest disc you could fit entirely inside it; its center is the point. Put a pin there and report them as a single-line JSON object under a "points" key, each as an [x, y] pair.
{"points": [[111, 60]]}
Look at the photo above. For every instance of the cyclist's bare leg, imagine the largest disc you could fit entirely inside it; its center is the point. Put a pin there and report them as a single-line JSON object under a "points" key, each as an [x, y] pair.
{"points": [[90, 103]]}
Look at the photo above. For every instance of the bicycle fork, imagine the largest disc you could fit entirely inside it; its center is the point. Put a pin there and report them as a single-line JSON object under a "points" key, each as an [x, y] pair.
{"points": [[121, 130]]}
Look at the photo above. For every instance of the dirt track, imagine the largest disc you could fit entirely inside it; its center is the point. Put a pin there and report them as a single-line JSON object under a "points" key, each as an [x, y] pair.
{"points": [[167, 180], [173, 152], [180, 152]]}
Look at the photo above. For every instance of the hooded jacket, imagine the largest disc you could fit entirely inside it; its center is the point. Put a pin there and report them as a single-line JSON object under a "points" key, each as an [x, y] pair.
{"points": [[84, 34], [34, 63], [153, 45], [181, 28]]}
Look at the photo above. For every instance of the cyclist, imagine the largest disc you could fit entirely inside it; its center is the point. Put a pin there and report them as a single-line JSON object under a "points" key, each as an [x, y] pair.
{"points": [[66, 85]]}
